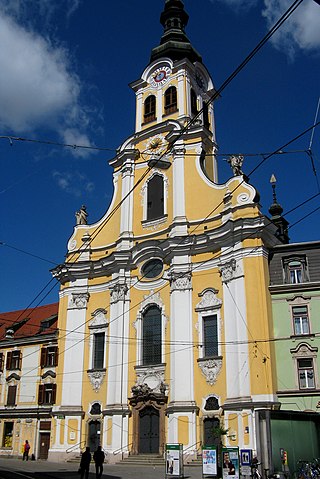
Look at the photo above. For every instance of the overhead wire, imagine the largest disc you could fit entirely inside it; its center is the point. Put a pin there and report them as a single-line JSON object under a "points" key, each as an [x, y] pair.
{"points": [[284, 17]]}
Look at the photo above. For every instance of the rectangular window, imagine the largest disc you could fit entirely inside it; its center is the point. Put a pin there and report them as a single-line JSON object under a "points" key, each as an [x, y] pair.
{"points": [[11, 398], [47, 394], [210, 335], [295, 272], [7, 434], [49, 357], [306, 374], [14, 360], [300, 320], [98, 350]]}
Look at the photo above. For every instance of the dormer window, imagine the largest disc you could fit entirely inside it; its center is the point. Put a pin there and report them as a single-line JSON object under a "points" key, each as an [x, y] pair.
{"points": [[150, 109], [295, 270], [170, 100]]}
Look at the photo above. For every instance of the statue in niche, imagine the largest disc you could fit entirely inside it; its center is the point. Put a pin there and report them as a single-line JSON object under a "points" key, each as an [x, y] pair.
{"points": [[82, 215], [236, 161]]}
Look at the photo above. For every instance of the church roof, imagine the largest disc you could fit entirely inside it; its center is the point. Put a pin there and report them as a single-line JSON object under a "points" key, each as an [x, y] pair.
{"points": [[174, 42]]}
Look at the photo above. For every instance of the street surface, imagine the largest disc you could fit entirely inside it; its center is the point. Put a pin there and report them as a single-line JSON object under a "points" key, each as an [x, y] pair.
{"points": [[16, 469]]}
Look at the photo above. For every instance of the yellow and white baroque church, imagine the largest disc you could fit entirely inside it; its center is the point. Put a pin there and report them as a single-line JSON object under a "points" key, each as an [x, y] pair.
{"points": [[163, 299]]}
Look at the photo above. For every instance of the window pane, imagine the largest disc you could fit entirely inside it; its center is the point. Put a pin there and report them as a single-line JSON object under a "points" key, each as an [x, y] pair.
{"points": [[306, 373], [7, 434], [155, 206], [98, 351], [152, 336], [210, 334]]}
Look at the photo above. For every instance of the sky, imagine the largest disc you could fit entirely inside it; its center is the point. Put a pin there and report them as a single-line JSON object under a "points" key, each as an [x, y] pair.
{"points": [[65, 66]]}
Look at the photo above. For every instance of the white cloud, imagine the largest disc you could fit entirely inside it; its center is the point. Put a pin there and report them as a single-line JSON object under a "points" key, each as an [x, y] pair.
{"points": [[75, 183], [38, 87], [300, 32]]}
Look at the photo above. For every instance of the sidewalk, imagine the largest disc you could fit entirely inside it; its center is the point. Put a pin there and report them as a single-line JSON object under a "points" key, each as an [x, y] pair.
{"points": [[70, 470]]}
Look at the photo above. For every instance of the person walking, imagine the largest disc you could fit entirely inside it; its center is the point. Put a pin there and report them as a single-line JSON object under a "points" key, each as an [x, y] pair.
{"points": [[98, 457], [85, 463], [26, 449]]}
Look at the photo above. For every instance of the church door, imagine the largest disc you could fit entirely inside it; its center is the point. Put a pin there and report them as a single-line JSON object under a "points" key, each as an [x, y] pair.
{"points": [[94, 435], [149, 431]]}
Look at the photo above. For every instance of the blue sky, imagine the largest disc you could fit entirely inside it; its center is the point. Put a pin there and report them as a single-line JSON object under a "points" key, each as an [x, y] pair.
{"points": [[65, 69]]}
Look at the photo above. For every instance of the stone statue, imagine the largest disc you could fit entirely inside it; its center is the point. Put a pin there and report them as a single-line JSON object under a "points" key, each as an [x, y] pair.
{"points": [[236, 161], [82, 215]]}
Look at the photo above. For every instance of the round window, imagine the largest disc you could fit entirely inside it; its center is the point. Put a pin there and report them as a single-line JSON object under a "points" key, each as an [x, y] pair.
{"points": [[152, 268]]}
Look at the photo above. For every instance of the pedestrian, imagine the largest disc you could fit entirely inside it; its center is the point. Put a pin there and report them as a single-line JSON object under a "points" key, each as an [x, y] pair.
{"points": [[26, 449], [98, 457], [85, 463]]}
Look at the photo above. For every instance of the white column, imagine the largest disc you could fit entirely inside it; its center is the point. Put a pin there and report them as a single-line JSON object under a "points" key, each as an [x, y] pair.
{"points": [[179, 203], [117, 372], [236, 330], [181, 373], [159, 105], [74, 350], [181, 95], [126, 220], [139, 111]]}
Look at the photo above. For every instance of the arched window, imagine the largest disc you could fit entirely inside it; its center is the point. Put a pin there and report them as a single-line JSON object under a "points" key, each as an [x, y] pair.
{"points": [[151, 336], [170, 100], [155, 198], [194, 103], [206, 115], [150, 109]]}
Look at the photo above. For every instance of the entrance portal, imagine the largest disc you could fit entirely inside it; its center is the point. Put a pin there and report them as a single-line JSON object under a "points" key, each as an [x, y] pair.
{"points": [[149, 430], [94, 435]]}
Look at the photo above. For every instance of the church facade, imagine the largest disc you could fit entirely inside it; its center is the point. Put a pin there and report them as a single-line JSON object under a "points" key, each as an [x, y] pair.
{"points": [[165, 300]]}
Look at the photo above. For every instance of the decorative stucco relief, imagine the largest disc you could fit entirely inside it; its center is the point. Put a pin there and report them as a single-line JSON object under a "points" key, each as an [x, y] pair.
{"points": [[210, 369], [96, 378]]}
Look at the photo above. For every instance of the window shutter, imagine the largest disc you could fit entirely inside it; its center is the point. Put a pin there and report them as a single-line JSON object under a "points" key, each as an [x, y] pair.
{"points": [[43, 360], [8, 364], [12, 392], [1, 362], [20, 359], [41, 394], [56, 355], [54, 391]]}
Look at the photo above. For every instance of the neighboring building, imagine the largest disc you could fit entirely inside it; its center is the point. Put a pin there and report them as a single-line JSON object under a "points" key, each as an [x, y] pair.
{"points": [[28, 360], [164, 297], [295, 292]]}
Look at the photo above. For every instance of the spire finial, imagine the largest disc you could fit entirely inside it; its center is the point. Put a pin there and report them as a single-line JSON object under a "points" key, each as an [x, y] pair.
{"points": [[276, 211]]}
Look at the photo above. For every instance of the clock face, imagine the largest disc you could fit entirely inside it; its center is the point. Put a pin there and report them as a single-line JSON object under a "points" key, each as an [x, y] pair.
{"points": [[160, 76]]}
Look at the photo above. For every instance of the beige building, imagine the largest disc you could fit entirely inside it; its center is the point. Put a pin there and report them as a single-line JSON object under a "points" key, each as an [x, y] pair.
{"points": [[28, 383]]}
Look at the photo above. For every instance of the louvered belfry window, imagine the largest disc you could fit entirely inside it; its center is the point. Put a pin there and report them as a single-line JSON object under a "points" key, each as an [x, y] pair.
{"points": [[152, 336], [150, 109], [170, 100]]}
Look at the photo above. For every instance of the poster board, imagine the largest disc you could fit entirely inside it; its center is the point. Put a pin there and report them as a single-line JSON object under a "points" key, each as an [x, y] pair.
{"points": [[245, 461], [174, 460], [230, 463], [209, 461]]}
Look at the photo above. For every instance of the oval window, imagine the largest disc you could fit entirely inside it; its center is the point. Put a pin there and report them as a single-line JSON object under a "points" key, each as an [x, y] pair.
{"points": [[152, 268]]}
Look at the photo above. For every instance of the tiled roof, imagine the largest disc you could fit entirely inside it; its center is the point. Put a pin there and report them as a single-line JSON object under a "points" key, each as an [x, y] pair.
{"points": [[29, 322]]}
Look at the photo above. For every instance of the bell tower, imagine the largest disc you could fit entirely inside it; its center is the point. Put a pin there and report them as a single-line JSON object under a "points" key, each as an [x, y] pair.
{"points": [[177, 86]]}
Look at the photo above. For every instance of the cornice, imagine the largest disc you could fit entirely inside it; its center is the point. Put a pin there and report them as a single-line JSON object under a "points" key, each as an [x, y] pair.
{"points": [[294, 288], [230, 232], [28, 340]]}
